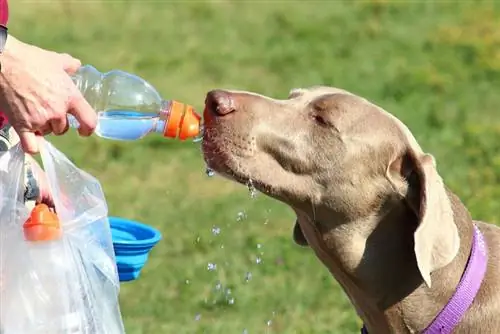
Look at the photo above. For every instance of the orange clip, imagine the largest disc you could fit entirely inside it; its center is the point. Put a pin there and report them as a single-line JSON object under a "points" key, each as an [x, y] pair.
{"points": [[42, 225]]}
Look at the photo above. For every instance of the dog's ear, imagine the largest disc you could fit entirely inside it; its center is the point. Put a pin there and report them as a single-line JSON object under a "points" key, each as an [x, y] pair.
{"points": [[298, 236], [436, 238]]}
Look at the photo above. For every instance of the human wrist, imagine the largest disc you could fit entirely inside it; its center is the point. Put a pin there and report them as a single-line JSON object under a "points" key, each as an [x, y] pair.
{"points": [[8, 60], [11, 48]]}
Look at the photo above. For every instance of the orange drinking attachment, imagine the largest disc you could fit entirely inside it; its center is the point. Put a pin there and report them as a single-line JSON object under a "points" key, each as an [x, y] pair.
{"points": [[183, 122], [42, 225]]}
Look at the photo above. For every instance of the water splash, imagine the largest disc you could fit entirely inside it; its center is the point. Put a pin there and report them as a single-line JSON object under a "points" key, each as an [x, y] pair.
{"points": [[228, 296], [209, 172], [241, 216], [251, 189], [199, 137], [216, 230], [221, 294], [248, 276]]}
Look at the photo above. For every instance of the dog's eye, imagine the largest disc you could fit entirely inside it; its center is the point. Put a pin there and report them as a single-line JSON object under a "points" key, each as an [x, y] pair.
{"points": [[320, 120]]}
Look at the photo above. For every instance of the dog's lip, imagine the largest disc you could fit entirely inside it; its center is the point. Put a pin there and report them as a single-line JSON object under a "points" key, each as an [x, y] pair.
{"points": [[220, 164]]}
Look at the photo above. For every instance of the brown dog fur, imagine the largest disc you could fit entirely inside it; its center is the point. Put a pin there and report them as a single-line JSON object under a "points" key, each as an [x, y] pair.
{"points": [[369, 202]]}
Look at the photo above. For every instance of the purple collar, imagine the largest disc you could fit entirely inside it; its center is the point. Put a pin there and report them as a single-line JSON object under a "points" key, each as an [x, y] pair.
{"points": [[466, 291]]}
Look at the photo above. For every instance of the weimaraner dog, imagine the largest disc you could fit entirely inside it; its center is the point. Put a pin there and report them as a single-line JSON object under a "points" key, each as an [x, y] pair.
{"points": [[369, 202]]}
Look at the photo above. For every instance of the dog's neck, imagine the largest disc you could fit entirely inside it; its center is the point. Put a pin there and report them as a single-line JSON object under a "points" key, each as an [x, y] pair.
{"points": [[376, 266]]}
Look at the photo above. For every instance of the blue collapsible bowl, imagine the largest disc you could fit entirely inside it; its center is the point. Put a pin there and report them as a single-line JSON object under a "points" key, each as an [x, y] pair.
{"points": [[132, 242]]}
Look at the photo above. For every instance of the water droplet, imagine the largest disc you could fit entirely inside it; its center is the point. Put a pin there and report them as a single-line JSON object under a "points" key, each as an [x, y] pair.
{"points": [[259, 246], [241, 216], [199, 137], [197, 317], [187, 282], [269, 323], [258, 260], [211, 266], [209, 171], [230, 301], [218, 285], [221, 246], [251, 189], [215, 230], [248, 276], [198, 239]]}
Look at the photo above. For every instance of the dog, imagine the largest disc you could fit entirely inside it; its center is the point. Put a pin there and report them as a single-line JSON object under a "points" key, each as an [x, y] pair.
{"points": [[369, 202]]}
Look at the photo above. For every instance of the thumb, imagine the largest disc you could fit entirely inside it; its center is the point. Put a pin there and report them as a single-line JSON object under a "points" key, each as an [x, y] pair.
{"points": [[29, 142]]}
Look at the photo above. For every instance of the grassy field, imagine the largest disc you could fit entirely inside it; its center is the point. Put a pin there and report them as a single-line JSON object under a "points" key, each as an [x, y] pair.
{"points": [[436, 65]]}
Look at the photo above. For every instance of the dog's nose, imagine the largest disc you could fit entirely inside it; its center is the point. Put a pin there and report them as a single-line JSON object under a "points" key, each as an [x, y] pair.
{"points": [[220, 102]]}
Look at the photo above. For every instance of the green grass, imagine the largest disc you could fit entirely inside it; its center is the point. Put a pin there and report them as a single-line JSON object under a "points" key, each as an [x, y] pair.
{"points": [[435, 65]]}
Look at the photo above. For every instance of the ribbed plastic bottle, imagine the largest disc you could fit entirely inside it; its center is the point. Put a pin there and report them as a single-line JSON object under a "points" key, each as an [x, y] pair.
{"points": [[49, 297], [129, 108]]}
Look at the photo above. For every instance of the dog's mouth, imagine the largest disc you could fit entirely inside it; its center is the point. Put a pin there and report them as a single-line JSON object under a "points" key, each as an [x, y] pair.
{"points": [[237, 147], [230, 151], [221, 151]]}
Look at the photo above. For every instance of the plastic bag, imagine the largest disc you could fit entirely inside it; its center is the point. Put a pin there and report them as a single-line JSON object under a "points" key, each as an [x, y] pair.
{"points": [[63, 286]]}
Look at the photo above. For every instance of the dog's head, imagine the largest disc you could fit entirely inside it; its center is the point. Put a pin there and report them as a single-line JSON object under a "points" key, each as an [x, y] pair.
{"points": [[334, 157]]}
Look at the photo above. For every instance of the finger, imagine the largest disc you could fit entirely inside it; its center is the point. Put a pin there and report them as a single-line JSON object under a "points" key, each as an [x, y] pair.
{"points": [[47, 199], [29, 142], [70, 64], [84, 114], [59, 126], [44, 193], [44, 130]]}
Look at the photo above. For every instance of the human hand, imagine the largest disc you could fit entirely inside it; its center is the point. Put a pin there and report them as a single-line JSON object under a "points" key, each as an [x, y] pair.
{"points": [[36, 93]]}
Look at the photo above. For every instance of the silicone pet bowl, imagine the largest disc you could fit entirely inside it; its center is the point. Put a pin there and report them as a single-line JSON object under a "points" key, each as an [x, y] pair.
{"points": [[132, 242]]}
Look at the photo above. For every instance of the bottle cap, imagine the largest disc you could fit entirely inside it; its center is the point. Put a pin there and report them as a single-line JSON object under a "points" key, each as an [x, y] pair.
{"points": [[183, 122], [42, 225]]}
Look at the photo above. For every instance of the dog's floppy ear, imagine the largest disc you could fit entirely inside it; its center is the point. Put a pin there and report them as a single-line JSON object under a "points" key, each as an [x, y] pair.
{"points": [[436, 238], [298, 236]]}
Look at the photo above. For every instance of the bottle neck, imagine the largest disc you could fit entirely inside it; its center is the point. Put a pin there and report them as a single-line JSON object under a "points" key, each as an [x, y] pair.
{"points": [[163, 116]]}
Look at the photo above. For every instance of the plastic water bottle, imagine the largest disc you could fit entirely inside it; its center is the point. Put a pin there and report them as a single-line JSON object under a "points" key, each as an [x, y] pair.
{"points": [[48, 296], [129, 108]]}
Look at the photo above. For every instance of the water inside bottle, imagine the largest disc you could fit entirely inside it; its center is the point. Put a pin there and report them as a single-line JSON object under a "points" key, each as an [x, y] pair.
{"points": [[127, 124]]}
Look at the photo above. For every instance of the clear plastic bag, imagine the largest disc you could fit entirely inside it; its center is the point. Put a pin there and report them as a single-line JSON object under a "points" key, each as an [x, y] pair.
{"points": [[64, 286]]}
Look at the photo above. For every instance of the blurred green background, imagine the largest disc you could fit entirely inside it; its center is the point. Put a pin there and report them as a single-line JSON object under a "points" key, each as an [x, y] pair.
{"points": [[435, 65]]}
